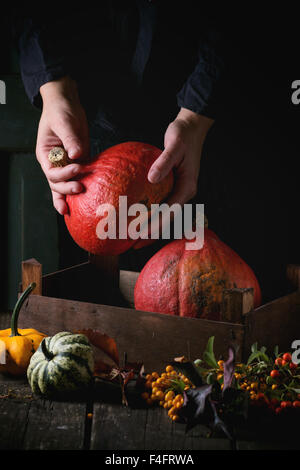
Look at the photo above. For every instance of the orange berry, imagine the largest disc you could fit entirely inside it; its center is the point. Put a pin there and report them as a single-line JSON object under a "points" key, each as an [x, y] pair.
{"points": [[169, 395]]}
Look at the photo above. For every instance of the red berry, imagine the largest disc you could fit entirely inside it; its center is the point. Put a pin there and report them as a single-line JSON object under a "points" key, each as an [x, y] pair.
{"points": [[296, 404], [284, 363], [293, 365], [274, 373], [260, 396], [278, 410], [274, 401], [287, 357], [278, 361], [286, 404]]}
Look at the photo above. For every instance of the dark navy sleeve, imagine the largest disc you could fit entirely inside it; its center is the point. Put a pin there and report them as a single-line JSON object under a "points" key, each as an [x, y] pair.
{"points": [[40, 59], [200, 91]]}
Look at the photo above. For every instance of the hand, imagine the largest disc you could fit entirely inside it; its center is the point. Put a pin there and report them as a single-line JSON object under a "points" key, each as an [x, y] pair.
{"points": [[63, 123], [184, 140]]}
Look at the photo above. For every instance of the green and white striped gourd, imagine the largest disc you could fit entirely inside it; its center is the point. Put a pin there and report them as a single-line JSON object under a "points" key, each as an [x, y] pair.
{"points": [[62, 363]]}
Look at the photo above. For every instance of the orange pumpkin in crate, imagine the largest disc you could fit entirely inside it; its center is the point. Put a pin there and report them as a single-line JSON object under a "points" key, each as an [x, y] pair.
{"points": [[190, 283], [120, 170]]}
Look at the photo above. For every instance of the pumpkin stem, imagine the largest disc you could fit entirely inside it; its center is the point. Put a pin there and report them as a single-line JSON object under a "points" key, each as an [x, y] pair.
{"points": [[16, 310], [48, 355]]}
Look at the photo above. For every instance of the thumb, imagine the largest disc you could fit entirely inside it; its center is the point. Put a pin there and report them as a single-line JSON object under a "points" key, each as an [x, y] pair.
{"points": [[162, 166], [71, 141]]}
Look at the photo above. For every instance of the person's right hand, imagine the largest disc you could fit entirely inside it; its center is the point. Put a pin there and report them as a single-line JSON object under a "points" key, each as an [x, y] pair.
{"points": [[63, 123]]}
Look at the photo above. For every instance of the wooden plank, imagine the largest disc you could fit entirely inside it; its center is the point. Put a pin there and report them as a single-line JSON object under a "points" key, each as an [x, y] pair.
{"points": [[293, 275], [236, 303], [32, 272], [12, 424], [275, 323], [162, 434], [81, 282], [115, 427], [108, 268], [148, 337], [28, 422], [32, 220], [18, 118], [127, 284], [121, 428], [55, 426], [5, 320]]}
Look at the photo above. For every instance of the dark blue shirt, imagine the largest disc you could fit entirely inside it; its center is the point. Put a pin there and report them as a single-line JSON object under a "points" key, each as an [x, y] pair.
{"points": [[131, 59]]}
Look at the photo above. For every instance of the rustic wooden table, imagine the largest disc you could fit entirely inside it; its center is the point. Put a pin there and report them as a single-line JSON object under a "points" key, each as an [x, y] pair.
{"points": [[98, 421]]}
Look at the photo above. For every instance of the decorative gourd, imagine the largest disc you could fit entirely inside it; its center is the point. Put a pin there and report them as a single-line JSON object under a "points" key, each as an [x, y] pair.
{"points": [[190, 283], [19, 344], [120, 170], [63, 363]]}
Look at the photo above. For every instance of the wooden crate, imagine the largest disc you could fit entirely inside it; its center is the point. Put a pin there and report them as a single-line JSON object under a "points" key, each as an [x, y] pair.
{"points": [[97, 295]]}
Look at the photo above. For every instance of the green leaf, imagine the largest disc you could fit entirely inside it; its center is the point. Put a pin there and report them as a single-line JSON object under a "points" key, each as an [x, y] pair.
{"points": [[276, 350], [258, 355], [189, 370], [208, 355], [210, 378], [254, 347]]}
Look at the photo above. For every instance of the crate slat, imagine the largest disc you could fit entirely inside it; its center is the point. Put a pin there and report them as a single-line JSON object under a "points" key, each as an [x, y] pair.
{"points": [[149, 337], [275, 323]]}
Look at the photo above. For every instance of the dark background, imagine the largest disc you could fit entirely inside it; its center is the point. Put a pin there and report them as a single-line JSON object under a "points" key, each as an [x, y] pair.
{"points": [[249, 172]]}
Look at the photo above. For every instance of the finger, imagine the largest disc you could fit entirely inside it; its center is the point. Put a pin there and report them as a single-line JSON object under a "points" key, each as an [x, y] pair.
{"points": [[58, 174], [70, 187], [59, 203], [170, 157], [142, 243], [185, 189], [72, 142]]}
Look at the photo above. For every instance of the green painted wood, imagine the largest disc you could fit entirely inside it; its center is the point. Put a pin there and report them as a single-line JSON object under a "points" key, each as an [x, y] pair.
{"points": [[18, 118], [32, 220]]}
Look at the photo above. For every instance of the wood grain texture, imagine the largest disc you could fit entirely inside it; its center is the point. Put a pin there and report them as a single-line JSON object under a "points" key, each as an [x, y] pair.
{"points": [[293, 275], [84, 282], [147, 337], [28, 422], [32, 272], [127, 284], [275, 323], [236, 303], [108, 267]]}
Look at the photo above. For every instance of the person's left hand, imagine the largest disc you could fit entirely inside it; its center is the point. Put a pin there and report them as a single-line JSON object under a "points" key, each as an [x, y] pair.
{"points": [[184, 140]]}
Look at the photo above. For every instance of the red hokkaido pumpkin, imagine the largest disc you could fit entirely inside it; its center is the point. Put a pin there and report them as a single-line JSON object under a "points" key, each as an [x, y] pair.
{"points": [[120, 170], [189, 283]]}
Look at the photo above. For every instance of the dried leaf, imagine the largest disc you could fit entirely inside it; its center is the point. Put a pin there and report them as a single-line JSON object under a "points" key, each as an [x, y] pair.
{"points": [[189, 370], [229, 366], [180, 359], [103, 342], [194, 405], [217, 422]]}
